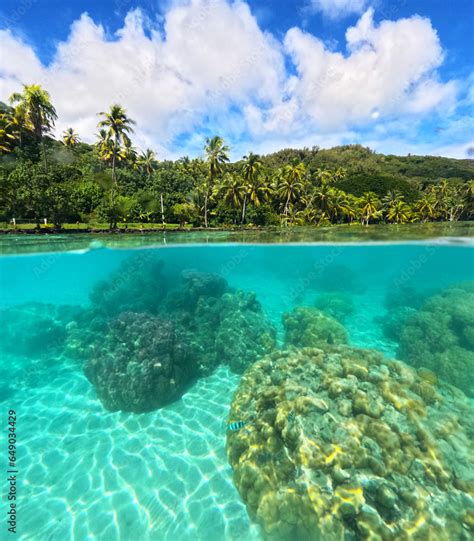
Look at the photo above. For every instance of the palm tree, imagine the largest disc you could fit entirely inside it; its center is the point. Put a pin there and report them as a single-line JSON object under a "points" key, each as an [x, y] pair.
{"points": [[105, 145], [258, 191], [337, 205], [251, 169], [147, 161], [118, 126], [13, 125], [391, 198], [329, 176], [454, 204], [426, 206], [321, 196], [369, 204], [289, 185], [469, 195], [5, 143], [128, 154], [399, 212], [232, 190], [217, 154], [70, 138], [352, 210], [395, 208], [35, 109], [8, 136]]}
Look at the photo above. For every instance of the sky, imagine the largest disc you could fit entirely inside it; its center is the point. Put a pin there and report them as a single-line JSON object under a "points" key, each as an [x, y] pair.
{"points": [[394, 75]]}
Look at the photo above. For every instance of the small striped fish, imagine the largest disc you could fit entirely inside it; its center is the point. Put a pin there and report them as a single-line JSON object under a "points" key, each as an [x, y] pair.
{"points": [[237, 425], [291, 416]]}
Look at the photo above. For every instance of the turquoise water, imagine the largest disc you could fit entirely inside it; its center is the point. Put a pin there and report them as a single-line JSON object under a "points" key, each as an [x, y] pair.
{"points": [[95, 466]]}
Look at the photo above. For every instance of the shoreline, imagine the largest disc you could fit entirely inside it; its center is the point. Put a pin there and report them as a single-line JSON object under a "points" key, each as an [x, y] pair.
{"points": [[254, 229], [122, 231]]}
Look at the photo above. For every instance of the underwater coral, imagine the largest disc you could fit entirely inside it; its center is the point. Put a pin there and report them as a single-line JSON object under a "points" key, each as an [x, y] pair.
{"points": [[440, 336], [309, 327], [342, 444], [143, 363], [211, 324], [403, 296], [400, 303], [35, 328], [337, 305], [138, 285], [393, 321]]}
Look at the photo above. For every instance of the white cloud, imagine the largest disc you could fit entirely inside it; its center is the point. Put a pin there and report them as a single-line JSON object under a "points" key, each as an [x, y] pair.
{"points": [[336, 9], [389, 69], [210, 56], [210, 67]]}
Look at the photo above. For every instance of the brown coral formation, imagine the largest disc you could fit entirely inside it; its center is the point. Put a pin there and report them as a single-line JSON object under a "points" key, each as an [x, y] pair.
{"points": [[342, 444]]}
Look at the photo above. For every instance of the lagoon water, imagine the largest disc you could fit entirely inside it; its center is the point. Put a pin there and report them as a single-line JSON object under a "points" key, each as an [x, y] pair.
{"points": [[88, 473]]}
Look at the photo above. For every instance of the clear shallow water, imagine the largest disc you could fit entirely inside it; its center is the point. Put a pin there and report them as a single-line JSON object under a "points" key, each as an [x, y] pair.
{"points": [[32, 243], [90, 473]]}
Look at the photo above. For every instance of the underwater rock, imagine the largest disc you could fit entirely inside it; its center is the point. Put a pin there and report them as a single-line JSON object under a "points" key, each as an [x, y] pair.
{"points": [[35, 328], [244, 334], [309, 327], [440, 336], [223, 325], [229, 325], [396, 467], [401, 303], [210, 324], [143, 363], [393, 321], [336, 305], [138, 285]]}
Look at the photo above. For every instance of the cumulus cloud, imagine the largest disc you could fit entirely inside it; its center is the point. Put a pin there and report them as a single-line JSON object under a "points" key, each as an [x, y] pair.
{"points": [[209, 56], [208, 67], [389, 68], [336, 9]]}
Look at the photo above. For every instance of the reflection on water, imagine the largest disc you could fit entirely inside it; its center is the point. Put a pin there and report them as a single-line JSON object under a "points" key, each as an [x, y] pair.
{"points": [[123, 365], [455, 232]]}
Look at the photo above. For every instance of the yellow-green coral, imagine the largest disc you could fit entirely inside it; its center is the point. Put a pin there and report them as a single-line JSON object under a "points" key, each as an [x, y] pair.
{"points": [[440, 336], [370, 453], [308, 327]]}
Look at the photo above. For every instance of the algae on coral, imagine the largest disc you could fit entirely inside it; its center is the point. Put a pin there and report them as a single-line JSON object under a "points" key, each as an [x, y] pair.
{"points": [[369, 455]]}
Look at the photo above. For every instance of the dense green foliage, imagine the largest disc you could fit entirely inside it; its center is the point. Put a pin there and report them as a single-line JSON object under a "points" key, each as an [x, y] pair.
{"points": [[68, 181]]}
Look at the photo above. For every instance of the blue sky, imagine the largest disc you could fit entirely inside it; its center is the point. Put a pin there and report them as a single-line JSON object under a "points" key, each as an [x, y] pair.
{"points": [[394, 75]]}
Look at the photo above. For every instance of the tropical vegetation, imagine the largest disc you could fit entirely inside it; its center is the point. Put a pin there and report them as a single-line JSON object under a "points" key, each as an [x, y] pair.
{"points": [[70, 181]]}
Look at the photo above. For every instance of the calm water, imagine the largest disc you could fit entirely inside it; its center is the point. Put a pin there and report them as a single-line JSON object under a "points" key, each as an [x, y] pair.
{"points": [[102, 459]]}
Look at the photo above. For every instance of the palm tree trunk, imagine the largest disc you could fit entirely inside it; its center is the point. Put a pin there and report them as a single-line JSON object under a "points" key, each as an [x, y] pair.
{"points": [[205, 209], [243, 209], [285, 210], [162, 211], [114, 178], [44, 156]]}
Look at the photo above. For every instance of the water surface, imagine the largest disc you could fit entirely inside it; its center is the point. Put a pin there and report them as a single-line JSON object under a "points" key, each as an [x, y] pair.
{"points": [[164, 474]]}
